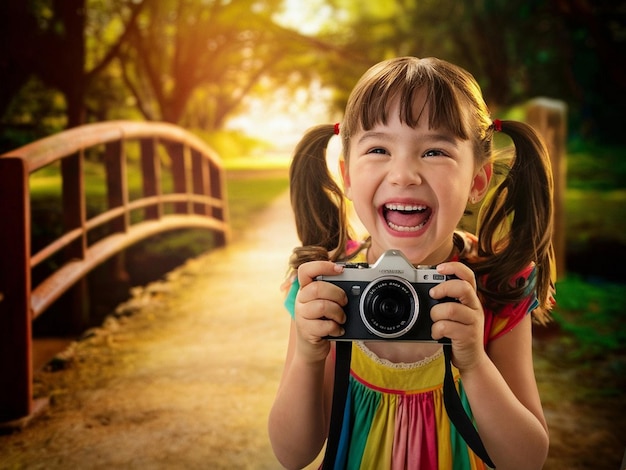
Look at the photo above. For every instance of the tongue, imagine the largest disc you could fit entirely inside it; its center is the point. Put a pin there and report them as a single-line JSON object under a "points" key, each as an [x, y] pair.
{"points": [[407, 219]]}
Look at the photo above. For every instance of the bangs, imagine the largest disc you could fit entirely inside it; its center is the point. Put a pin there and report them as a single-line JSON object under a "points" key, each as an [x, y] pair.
{"points": [[416, 85]]}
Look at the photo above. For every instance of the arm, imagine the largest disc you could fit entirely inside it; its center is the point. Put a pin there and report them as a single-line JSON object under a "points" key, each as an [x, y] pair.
{"points": [[300, 416], [502, 390], [500, 382]]}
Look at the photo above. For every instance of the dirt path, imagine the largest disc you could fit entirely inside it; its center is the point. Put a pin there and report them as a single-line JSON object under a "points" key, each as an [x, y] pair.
{"points": [[185, 375], [186, 381]]}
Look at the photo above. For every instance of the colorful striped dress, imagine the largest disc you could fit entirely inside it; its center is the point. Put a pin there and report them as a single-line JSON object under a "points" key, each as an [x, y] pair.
{"points": [[395, 416]]}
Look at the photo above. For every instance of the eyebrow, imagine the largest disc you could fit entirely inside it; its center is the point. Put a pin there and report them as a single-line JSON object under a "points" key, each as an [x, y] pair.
{"points": [[449, 138], [373, 135], [436, 137]]}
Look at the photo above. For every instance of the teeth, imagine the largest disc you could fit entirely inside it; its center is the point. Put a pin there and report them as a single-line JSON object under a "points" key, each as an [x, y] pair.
{"points": [[405, 208], [401, 228]]}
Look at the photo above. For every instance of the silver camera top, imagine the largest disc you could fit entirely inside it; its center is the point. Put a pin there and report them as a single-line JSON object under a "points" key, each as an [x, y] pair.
{"points": [[391, 263]]}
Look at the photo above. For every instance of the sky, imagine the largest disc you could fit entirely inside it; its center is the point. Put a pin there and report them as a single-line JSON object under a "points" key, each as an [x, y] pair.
{"points": [[282, 118]]}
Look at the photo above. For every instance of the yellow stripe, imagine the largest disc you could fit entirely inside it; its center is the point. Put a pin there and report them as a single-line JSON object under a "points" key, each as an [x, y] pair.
{"points": [[444, 448], [382, 426], [396, 379]]}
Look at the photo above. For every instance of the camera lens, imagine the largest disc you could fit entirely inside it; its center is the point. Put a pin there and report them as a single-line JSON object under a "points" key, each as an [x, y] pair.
{"points": [[389, 307]]}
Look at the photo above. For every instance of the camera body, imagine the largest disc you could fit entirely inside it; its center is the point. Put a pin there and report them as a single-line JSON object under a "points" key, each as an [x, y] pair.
{"points": [[388, 300]]}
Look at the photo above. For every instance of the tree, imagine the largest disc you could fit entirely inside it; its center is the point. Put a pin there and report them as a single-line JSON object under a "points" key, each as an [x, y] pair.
{"points": [[192, 62], [189, 62], [516, 49], [47, 40]]}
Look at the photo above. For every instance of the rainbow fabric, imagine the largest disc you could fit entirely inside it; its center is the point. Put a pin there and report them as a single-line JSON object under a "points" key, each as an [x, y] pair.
{"points": [[395, 417]]}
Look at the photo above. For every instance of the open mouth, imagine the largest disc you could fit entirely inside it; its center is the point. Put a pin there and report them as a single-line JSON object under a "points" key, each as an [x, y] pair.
{"points": [[406, 217]]}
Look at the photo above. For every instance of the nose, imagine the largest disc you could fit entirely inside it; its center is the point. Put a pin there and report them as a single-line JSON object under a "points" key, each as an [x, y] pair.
{"points": [[404, 171]]}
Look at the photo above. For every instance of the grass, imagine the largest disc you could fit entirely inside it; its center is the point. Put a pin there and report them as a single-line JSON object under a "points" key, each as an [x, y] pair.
{"points": [[591, 310], [248, 195], [592, 315]]}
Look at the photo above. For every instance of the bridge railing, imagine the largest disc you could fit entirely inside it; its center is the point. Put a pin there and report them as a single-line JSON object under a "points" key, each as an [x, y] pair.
{"points": [[194, 198]]}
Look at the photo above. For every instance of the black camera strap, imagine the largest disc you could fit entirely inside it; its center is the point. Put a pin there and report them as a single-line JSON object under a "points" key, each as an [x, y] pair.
{"points": [[451, 399], [343, 356], [457, 413]]}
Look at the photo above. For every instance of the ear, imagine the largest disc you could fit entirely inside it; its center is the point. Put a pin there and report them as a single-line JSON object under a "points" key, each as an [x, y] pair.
{"points": [[481, 181], [345, 176]]}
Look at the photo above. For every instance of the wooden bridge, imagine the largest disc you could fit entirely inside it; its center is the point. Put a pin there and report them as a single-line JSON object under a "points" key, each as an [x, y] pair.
{"points": [[183, 186]]}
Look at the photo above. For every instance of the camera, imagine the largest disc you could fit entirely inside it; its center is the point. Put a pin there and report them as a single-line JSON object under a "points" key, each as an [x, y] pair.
{"points": [[388, 300]]}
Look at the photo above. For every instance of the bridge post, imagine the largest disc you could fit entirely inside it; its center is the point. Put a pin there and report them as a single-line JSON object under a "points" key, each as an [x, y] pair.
{"points": [[15, 314], [74, 214], [151, 171], [217, 189]]}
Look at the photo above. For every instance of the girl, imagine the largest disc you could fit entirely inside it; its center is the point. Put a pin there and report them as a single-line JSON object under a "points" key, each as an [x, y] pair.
{"points": [[417, 144]]}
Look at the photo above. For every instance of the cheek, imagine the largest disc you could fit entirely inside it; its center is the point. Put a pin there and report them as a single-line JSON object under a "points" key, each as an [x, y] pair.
{"points": [[355, 184], [453, 196], [360, 195]]}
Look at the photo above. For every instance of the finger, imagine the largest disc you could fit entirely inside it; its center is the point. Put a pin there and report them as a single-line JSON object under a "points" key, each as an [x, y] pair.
{"points": [[322, 290], [322, 328], [454, 321], [452, 312], [463, 288], [318, 319], [321, 309], [307, 272], [460, 334], [458, 270], [456, 289]]}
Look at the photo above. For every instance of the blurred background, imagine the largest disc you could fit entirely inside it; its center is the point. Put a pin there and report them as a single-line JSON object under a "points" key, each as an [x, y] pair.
{"points": [[249, 76], [269, 68]]}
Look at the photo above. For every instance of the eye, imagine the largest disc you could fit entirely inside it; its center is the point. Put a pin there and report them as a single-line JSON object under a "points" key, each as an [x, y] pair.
{"points": [[378, 150], [435, 153]]}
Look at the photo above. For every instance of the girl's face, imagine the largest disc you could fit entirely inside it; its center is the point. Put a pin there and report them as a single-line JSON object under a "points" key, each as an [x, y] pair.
{"points": [[410, 187]]}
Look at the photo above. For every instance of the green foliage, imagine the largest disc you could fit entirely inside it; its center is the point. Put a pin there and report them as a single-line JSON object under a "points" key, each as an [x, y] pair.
{"points": [[596, 167], [593, 315], [195, 62], [34, 113], [594, 216], [595, 196]]}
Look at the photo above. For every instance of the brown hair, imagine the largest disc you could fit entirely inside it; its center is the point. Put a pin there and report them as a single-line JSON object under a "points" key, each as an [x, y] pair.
{"points": [[515, 222]]}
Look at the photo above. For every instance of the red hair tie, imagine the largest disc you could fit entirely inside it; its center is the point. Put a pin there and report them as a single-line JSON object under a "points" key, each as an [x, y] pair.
{"points": [[337, 128], [497, 125]]}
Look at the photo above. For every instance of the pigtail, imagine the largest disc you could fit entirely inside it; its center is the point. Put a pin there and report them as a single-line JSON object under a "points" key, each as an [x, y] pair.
{"points": [[521, 207], [317, 201]]}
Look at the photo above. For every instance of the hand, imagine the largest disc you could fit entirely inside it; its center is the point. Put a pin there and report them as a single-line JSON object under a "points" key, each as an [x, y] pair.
{"points": [[462, 321], [318, 309]]}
